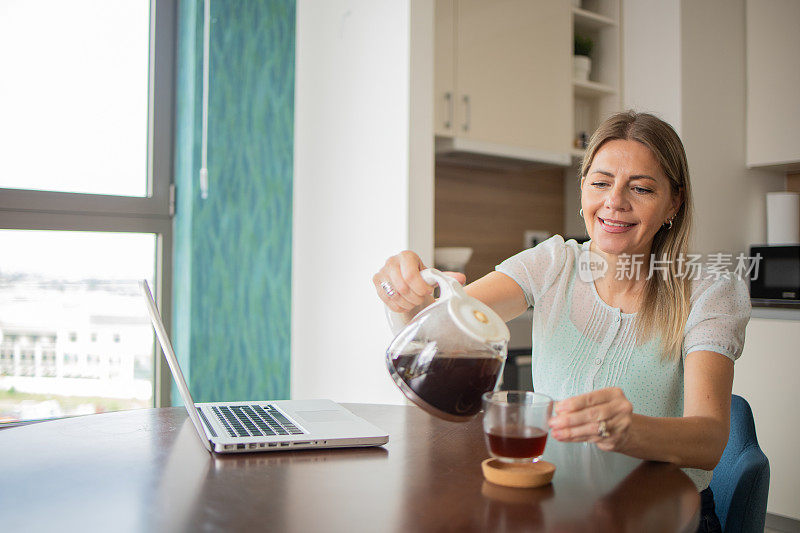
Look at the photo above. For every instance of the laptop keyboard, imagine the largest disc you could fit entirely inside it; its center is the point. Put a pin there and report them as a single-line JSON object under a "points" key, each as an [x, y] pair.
{"points": [[254, 421]]}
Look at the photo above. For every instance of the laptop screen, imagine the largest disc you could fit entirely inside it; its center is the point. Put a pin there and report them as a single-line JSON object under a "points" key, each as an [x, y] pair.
{"points": [[172, 361]]}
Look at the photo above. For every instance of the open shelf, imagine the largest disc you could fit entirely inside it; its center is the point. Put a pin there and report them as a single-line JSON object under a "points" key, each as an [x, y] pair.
{"points": [[588, 20], [590, 89], [596, 98]]}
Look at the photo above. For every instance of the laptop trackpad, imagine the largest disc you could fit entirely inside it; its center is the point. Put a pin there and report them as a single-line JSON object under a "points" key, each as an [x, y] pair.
{"points": [[326, 415]]}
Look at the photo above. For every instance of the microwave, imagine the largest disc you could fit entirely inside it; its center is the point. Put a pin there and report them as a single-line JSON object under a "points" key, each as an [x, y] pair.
{"points": [[777, 279]]}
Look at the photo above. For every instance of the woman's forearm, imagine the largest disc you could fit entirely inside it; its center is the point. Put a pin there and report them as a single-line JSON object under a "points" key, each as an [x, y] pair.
{"points": [[689, 442]]}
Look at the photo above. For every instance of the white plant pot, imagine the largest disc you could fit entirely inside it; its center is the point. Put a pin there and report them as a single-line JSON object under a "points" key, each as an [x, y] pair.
{"points": [[581, 66]]}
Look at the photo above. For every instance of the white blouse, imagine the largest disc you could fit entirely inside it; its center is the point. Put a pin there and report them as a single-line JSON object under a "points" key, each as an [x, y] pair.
{"points": [[580, 343]]}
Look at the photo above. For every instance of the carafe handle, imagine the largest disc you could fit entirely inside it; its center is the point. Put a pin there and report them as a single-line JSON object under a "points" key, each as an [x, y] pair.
{"points": [[448, 286]]}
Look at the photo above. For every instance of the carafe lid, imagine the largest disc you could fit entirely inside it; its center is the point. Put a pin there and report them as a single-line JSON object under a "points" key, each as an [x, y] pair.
{"points": [[473, 317], [478, 320]]}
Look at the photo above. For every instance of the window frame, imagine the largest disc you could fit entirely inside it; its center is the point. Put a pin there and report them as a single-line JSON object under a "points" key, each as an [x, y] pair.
{"points": [[64, 211]]}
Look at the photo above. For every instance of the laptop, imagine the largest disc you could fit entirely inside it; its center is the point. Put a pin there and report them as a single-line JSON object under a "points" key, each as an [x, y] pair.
{"points": [[236, 427]]}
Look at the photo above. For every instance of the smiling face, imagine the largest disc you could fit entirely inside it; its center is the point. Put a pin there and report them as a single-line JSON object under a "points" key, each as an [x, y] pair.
{"points": [[626, 198]]}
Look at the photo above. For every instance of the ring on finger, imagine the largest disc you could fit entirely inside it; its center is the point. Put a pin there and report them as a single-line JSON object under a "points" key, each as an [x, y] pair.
{"points": [[388, 289], [602, 429]]}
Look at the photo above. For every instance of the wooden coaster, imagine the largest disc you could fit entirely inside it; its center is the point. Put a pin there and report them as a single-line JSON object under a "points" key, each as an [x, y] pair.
{"points": [[518, 475]]}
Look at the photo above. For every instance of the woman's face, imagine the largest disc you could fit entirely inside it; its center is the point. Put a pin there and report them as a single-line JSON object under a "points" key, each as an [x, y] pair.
{"points": [[626, 198]]}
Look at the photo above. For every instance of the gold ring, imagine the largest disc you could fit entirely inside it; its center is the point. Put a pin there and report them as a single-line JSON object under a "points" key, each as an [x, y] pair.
{"points": [[602, 429]]}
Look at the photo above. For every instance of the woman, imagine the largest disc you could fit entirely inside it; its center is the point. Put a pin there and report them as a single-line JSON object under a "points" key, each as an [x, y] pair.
{"points": [[642, 354]]}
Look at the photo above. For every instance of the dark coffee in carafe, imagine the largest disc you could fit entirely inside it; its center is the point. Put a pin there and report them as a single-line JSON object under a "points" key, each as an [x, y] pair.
{"points": [[448, 386], [448, 354]]}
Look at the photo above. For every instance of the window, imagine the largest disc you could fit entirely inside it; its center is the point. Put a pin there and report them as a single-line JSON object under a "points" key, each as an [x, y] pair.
{"points": [[80, 61], [85, 205]]}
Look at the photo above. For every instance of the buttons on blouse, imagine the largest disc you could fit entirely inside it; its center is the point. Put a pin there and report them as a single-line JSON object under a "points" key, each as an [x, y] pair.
{"points": [[617, 319], [598, 361]]}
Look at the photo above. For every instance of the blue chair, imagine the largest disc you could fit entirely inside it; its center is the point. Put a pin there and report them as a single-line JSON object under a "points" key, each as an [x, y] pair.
{"points": [[741, 479]]}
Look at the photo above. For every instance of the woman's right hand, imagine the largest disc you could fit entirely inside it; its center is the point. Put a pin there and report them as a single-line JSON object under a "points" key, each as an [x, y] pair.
{"points": [[400, 285]]}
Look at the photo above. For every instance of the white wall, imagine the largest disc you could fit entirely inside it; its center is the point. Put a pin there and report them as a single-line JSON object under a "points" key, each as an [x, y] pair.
{"points": [[363, 101], [729, 199], [651, 59], [685, 62], [421, 147]]}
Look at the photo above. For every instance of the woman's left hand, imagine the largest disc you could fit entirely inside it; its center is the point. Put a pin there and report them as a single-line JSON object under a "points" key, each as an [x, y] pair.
{"points": [[602, 416]]}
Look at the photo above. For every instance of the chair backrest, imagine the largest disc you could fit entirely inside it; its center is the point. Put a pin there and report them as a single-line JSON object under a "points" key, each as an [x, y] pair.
{"points": [[741, 479]]}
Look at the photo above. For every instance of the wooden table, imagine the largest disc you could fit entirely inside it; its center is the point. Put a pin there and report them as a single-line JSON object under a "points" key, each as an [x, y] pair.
{"points": [[146, 470]]}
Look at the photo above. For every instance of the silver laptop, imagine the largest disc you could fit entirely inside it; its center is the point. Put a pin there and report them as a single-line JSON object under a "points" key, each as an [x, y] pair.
{"points": [[236, 427]]}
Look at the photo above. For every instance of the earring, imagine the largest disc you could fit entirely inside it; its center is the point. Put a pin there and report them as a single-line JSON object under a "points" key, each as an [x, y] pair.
{"points": [[580, 212], [668, 223]]}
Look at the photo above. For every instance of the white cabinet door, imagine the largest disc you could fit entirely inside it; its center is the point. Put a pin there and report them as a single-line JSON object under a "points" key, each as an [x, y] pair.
{"points": [[768, 377], [773, 83], [512, 69], [513, 72]]}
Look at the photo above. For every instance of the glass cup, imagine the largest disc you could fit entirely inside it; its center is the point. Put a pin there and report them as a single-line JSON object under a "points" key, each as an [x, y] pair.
{"points": [[515, 425]]}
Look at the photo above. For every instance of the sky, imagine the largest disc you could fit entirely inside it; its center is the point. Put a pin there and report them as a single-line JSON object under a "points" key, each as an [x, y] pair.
{"points": [[73, 118], [73, 100], [76, 255]]}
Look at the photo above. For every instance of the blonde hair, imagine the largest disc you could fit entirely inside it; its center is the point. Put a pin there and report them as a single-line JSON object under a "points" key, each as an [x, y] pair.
{"points": [[664, 304]]}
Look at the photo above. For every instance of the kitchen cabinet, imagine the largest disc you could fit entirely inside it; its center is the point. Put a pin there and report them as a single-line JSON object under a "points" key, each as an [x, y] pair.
{"points": [[767, 376], [503, 75], [773, 83]]}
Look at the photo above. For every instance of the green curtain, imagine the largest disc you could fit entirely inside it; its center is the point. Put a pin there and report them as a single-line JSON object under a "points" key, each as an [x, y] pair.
{"points": [[232, 284]]}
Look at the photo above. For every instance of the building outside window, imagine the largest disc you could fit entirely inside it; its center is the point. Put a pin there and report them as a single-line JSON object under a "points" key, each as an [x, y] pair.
{"points": [[85, 205]]}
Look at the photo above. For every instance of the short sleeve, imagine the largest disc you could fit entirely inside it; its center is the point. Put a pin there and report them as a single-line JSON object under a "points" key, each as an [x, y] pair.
{"points": [[718, 317], [536, 269]]}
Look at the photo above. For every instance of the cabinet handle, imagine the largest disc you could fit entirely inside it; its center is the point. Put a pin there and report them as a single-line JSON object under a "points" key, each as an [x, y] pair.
{"points": [[448, 104], [465, 127]]}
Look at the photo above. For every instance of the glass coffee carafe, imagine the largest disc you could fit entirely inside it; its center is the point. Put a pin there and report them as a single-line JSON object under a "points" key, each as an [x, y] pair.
{"points": [[450, 353]]}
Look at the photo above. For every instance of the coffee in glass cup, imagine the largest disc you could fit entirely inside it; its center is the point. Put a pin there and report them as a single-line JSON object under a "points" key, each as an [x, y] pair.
{"points": [[515, 425]]}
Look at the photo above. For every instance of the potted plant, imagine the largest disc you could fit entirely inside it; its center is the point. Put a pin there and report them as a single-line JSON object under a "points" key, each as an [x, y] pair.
{"points": [[581, 62]]}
